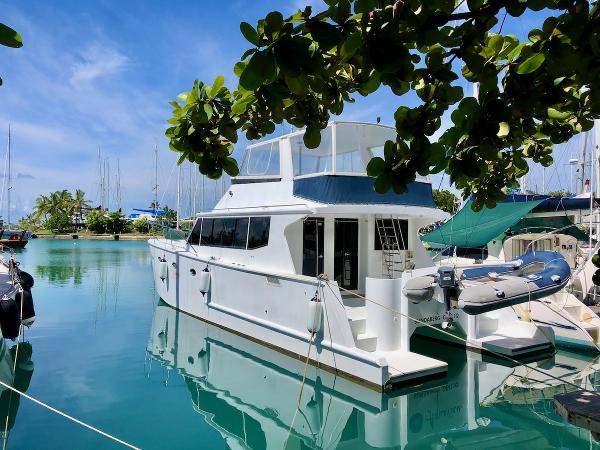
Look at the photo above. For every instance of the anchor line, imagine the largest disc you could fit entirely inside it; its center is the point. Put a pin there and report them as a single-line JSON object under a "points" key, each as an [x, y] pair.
{"points": [[481, 348]]}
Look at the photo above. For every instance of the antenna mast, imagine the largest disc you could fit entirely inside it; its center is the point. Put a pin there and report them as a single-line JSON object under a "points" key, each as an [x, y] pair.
{"points": [[9, 182]]}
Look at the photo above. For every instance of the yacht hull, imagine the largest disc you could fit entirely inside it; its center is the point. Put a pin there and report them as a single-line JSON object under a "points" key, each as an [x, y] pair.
{"points": [[272, 308]]}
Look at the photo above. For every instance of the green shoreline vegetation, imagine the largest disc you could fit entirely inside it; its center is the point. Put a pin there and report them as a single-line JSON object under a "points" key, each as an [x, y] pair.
{"points": [[64, 214]]}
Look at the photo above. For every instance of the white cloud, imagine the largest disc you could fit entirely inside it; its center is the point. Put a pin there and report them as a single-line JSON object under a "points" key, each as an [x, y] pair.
{"points": [[97, 61]]}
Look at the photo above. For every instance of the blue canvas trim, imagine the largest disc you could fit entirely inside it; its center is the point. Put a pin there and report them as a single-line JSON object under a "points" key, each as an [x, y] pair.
{"points": [[551, 204], [346, 189]]}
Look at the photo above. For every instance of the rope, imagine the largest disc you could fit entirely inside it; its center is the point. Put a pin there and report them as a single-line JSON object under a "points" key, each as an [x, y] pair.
{"points": [[481, 348], [310, 343], [67, 416]]}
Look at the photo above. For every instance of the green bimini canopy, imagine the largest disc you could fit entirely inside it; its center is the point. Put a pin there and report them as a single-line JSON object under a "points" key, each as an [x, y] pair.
{"points": [[547, 224], [468, 228]]}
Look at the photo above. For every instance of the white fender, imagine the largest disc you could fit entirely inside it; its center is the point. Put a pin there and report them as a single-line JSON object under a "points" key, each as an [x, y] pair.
{"points": [[162, 268], [314, 315], [204, 281]]}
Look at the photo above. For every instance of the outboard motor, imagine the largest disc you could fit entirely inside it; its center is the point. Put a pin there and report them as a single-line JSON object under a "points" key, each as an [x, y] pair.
{"points": [[447, 281]]}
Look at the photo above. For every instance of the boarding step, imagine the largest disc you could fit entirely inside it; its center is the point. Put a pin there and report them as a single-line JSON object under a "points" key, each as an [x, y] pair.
{"points": [[357, 318], [405, 365], [351, 301], [366, 342]]}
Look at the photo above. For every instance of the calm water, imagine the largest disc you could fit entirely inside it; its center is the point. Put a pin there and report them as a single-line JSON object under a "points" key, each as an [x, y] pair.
{"points": [[106, 351]]}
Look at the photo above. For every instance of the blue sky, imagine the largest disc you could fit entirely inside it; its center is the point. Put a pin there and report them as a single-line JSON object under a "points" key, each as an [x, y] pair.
{"points": [[99, 74]]}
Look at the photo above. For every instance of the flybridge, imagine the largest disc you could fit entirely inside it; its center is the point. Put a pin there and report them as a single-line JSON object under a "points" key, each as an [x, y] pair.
{"points": [[345, 149]]}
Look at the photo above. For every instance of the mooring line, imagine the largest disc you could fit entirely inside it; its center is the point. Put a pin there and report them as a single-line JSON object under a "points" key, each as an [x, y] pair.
{"points": [[67, 416]]}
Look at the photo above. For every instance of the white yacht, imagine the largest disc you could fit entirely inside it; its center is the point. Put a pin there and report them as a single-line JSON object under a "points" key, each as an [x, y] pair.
{"points": [[298, 234]]}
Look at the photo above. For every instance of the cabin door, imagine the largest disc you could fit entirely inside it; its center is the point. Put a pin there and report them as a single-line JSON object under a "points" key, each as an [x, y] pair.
{"points": [[345, 263], [312, 246]]}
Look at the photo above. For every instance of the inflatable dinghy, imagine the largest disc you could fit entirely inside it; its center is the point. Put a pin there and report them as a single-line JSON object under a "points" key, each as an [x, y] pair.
{"points": [[484, 288]]}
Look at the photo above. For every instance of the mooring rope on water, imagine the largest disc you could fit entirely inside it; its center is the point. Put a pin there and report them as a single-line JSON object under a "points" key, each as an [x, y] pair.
{"points": [[67, 416]]}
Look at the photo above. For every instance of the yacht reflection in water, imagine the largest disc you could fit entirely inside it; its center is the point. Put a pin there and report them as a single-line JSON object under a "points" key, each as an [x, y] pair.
{"points": [[16, 370], [248, 393]]}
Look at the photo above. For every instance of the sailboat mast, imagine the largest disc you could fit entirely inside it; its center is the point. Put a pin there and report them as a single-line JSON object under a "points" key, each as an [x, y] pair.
{"points": [[178, 194], [581, 163], [9, 183], [155, 179]]}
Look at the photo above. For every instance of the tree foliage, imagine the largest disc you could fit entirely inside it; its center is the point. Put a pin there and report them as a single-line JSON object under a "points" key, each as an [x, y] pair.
{"points": [[58, 221], [446, 200], [9, 38], [61, 202], [97, 221], [304, 68], [142, 225]]}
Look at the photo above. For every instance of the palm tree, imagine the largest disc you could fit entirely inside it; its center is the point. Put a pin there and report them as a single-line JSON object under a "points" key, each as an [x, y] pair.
{"points": [[79, 204], [42, 206]]}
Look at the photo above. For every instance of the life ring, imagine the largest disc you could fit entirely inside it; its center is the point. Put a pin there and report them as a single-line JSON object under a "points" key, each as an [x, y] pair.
{"points": [[14, 237]]}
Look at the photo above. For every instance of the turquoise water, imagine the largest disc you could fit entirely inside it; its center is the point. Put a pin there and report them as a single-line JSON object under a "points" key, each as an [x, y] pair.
{"points": [[105, 350]]}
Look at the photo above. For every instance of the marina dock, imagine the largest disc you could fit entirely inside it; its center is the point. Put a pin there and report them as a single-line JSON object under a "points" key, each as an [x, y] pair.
{"points": [[581, 408]]}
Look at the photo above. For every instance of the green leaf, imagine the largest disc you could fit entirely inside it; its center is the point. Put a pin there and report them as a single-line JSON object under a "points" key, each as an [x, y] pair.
{"points": [[9, 37], [216, 87], [351, 45], [260, 69], [312, 137], [292, 53], [383, 183], [231, 167], [556, 114], [273, 22], [531, 64], [326, 34], [503, 129], [208, 110], [249, 33], [375, 167]]}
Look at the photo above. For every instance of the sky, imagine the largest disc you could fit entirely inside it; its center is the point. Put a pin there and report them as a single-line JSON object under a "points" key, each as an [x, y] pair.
{"points": [[96, 76]]}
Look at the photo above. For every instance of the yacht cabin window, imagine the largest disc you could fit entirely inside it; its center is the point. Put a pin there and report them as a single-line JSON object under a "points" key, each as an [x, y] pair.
{"points": [[354, 144], [240, 232], [258, 232], [261, 160], [194, 237], [311, 160]]}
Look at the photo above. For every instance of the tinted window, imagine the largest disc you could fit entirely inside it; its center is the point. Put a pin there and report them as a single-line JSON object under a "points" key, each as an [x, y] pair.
{"points": [[207, 226], [400, 228], [216, 232], [228, 232], [241, 233], [194, 237], [258, 233]]}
